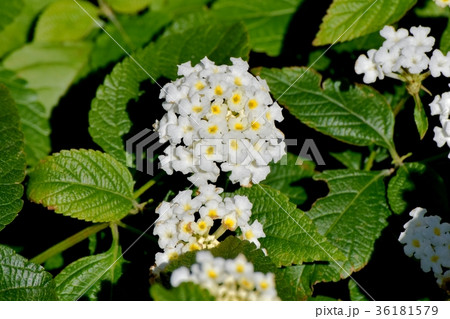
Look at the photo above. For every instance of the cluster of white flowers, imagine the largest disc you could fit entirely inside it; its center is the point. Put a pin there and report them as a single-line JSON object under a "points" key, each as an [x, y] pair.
{"points": [[441, 106], [184, 224], [442, 3], [231, 279], [429, 241], [403, 54], [219, 114]]}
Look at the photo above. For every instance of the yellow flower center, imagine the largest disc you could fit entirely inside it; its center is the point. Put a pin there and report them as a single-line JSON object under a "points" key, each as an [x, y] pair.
{"points": [[173, 255], [212, 274], [218, 90], [197, 109], [194, 246], [264, 285], [213, 129], [416, 243], [187, 207], [237, 81], [238, 126], [437, 231], [255, 126], [252, 104], [210, 150], [249, 234], [234, 144], [187, 228], [240, 268], [199, 85], [229, 222], [236, 98], [202, 225], [215, 109], [212, 213], [434, 258]]}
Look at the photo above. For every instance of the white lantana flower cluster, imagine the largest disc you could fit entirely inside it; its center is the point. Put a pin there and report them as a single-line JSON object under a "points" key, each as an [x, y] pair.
{"points": [[403, 54], [184, 224], [441, 106], [231, 279], [428, 240], [219, 114], [442, 3]]}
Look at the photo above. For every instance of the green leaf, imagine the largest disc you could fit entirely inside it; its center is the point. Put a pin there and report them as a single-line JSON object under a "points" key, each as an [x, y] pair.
{"points": [[108, 119], [267, 21], [291, 237], [9, 10], [49, 69], [83, 184], [412, 182], [293, 282], [138, 29], [286, 172], [64, 21], [349, 159], [230, 248], [21, 280], [364, 43], [12, 159], [350, 19], [186, 291], [128, 6], [445, 40], [351, 217], [359, 116], [355, 293], [420, 117], [85, 276], [54, 262], [33, 118], [16, 33], [430, 10], [178, 8]]}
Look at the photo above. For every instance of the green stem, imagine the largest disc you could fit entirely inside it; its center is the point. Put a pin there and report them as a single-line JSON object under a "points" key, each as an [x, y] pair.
{"points": [[68, 242], [144, 188], [397, 160], [400, 105], [106, 10], [220, 231], [136, 231], [370, 160]]}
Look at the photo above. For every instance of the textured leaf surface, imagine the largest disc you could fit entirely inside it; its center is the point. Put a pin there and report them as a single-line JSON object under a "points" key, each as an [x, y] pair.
{"points": [[355, 293], [64, 20], [230, 248], [128, 6], [286, 172], [445, 39], [359, 116], [83, 184], [12, 160], [351, 217], [49, 69], [267, 21], [108, 119], [410, 184], [187, 291], [9, 10], [85, 276], [21, 280], [350, 19], [349, 159], [293, 282], [33, 118], [178, 8], [291, 237], [16, 32], [139, 30]]}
